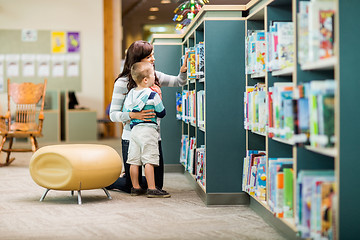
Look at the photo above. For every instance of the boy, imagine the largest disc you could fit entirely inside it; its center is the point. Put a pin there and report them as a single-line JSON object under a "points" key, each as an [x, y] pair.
{"points": [[143, 147]]}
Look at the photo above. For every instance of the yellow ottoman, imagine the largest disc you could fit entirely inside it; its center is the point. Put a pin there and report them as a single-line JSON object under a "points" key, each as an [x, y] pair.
{"points": [[75, 167]]}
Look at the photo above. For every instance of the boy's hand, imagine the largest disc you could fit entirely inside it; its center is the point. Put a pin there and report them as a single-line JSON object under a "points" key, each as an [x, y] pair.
{"points": [[144, 115]]}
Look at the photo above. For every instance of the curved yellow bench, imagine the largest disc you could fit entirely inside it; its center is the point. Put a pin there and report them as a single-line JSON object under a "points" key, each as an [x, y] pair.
{"points": [[75, 167]]}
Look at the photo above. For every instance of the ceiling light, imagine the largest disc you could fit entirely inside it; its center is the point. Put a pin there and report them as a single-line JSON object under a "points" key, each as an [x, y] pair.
{"points": [[154, 9], [165, 1], [151, 17]]}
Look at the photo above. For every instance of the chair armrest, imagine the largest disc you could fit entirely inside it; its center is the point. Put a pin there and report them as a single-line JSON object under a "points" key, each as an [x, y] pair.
{"points": [[41, 115]]}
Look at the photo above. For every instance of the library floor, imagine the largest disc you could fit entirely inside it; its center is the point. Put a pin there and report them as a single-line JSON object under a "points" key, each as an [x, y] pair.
{"points": [[183, 216]]}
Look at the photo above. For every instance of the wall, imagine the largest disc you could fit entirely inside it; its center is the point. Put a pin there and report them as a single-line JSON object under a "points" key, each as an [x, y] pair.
{"points": [[79, 15]]}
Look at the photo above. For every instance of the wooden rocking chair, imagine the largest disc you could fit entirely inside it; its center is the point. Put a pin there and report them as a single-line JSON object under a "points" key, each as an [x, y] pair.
{"points": [[23, 123]]}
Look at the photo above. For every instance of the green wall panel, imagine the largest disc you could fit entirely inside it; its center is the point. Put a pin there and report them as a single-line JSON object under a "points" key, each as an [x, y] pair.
{"points": [[224, 85]]}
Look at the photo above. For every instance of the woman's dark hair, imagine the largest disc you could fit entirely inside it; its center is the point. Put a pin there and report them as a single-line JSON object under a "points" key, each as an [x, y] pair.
{"points": [[137, 51]]}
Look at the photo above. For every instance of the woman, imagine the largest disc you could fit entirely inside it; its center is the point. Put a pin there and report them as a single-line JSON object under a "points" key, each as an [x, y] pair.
{"points": [[139, 51]]}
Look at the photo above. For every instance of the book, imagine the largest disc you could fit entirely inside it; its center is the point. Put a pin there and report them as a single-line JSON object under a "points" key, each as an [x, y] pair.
{"points": [[326, 48], [178, 106], [305, 200], [191, 64], [285, 44], [288, 193], [200, 60]]}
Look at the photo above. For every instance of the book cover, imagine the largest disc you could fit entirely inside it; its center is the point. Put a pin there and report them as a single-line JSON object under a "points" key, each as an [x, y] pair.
{"points": [[191, 72], [326, 18], [327, 211], [260, 191], [178, 106], [200, 60], [288, 192], [286, 44]]}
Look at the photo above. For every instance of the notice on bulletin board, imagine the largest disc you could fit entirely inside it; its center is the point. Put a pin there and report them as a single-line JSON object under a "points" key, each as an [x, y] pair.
{"points": [[58, 42], [73, 42]]}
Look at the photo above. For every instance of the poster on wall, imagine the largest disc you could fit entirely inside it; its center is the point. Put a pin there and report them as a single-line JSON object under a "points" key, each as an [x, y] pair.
{"points": [[43, 63], [58, 42], [2, 59], [12, 65], [58, 65], [28, 65], [73, 42], [29, 35], [73, 65]]}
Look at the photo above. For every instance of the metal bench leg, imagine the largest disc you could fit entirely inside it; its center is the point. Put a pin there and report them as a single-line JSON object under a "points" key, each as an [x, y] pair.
{"points": [[44, 195], [107, 193], [79, 197]]}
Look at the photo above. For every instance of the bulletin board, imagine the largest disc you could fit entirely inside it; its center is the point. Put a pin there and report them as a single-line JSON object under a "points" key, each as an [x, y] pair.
{"points": [[29, 55]]}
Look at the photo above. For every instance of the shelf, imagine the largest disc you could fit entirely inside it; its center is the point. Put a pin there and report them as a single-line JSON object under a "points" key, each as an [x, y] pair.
{"points": [[202, 129], [201, 186], [258, 75], [259, 133], [283, 72], [263, 203], [290, 222], [193, 124], [282, 140], [330, 152], [192, 80], [323, 64], [202, 80]]}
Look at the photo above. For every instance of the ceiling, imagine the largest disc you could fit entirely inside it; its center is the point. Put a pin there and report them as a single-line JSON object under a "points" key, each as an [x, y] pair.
{"points": [[137, 11], [135, 15]]}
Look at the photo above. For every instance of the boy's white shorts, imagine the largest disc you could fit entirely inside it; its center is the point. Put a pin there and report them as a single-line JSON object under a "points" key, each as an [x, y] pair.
{"points": [[143, 146]]}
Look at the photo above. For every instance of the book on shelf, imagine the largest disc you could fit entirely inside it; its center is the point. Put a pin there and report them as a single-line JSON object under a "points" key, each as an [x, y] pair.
{"points": [[322, 113], [191, 64], [184, 149], [270, 115], [190, 163], [301, 114], [250, 166], [316, 30], [282, 110], [303, 31], [326, 18], [255, 112], [200, 108], [201, 165], [309, 184], [285, 44], [200, 60], [280, 45], [260, 186], [185, 106], [255, 54], [288, 192], [178, 105], [276, 184]]}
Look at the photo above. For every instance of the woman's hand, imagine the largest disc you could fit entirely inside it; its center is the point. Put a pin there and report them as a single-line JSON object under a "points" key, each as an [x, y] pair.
{"points": [[184, 66], [144, 115]]}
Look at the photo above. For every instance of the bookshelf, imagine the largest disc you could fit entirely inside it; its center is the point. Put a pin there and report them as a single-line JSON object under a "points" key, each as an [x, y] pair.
{"points": [[338, 158], [213, 25], [259, 14]]}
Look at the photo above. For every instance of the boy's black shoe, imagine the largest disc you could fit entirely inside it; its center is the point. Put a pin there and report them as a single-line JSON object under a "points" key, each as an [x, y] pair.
{"points": [[157, 193], [137, 191]]}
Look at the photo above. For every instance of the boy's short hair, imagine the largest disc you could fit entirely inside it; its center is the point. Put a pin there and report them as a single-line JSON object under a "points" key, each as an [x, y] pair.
{"points": [[140, 70]]}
